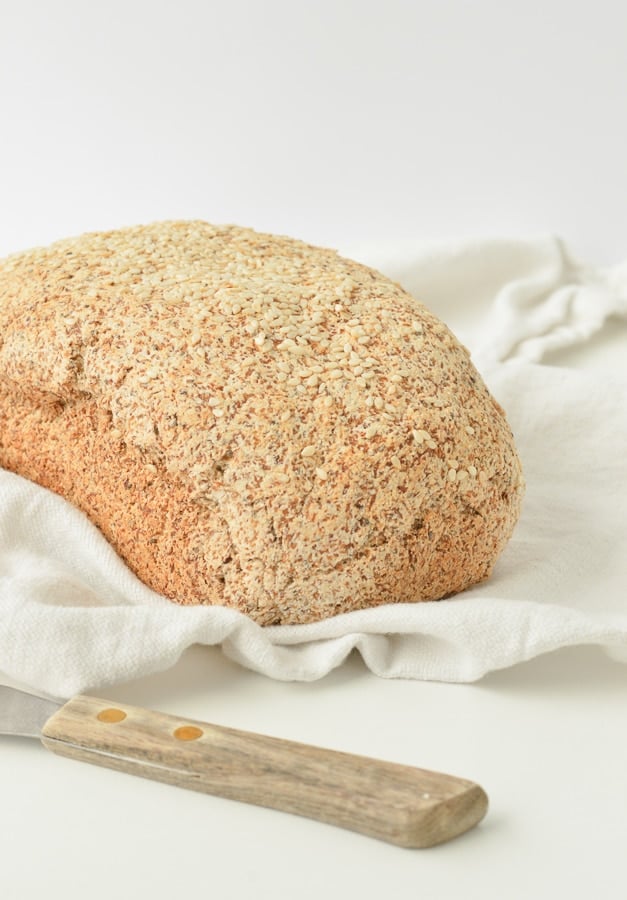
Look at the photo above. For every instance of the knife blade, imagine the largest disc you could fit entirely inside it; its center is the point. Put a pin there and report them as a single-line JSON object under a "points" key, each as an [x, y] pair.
{"points": [[400, 804]]}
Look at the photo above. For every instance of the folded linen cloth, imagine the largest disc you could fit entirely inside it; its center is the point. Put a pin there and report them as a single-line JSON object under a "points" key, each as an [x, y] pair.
{"points": [[74, 618]]}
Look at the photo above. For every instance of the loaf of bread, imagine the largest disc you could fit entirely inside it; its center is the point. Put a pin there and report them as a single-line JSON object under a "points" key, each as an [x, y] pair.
{"points": [[252, 421]]}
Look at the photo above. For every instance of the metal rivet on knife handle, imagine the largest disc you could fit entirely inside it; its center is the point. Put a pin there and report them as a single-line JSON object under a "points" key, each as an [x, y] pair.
{"points": [[111, 715], [188, 733]]}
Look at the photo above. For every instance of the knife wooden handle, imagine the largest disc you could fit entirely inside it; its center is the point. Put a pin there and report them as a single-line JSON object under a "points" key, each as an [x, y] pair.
{"points": [[400, 804]]}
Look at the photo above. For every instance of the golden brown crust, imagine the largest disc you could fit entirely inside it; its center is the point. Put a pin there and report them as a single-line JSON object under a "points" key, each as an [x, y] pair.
{"points": [[252, 421]]}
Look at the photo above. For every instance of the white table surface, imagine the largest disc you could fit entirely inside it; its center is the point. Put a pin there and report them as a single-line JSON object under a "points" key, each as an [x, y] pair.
{"points": [[546, 740], [336, 122]]}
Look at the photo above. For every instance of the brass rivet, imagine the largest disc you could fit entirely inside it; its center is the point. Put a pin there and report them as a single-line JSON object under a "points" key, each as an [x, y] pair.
{"points": [[188, 733], [111, 715]]}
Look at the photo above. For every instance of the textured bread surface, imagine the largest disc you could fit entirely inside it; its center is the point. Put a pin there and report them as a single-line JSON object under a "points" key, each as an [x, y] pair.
{"points": [[252, 421]]}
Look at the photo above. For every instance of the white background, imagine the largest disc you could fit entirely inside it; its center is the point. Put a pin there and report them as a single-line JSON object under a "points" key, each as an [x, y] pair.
{"points": [[337, 122], [330, 120]]}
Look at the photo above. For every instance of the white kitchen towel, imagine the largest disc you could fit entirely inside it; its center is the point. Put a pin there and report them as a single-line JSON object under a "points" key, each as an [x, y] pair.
{"points": [[73, 617]]}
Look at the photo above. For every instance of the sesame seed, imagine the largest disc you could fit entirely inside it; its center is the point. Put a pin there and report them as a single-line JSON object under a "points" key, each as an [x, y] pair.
{"points": [[371, 430], [452, 474], [321, 474], [396, 462], [218, 412], [215, 401], [472, 471], [462, 475], [307, 451], [470, 429]]}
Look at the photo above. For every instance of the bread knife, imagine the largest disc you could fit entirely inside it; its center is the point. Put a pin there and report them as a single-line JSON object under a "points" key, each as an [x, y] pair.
{"points": [[400, 804]]}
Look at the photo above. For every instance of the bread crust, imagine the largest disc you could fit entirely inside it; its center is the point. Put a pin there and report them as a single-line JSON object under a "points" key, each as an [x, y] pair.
{"points": [[253, 422]]}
